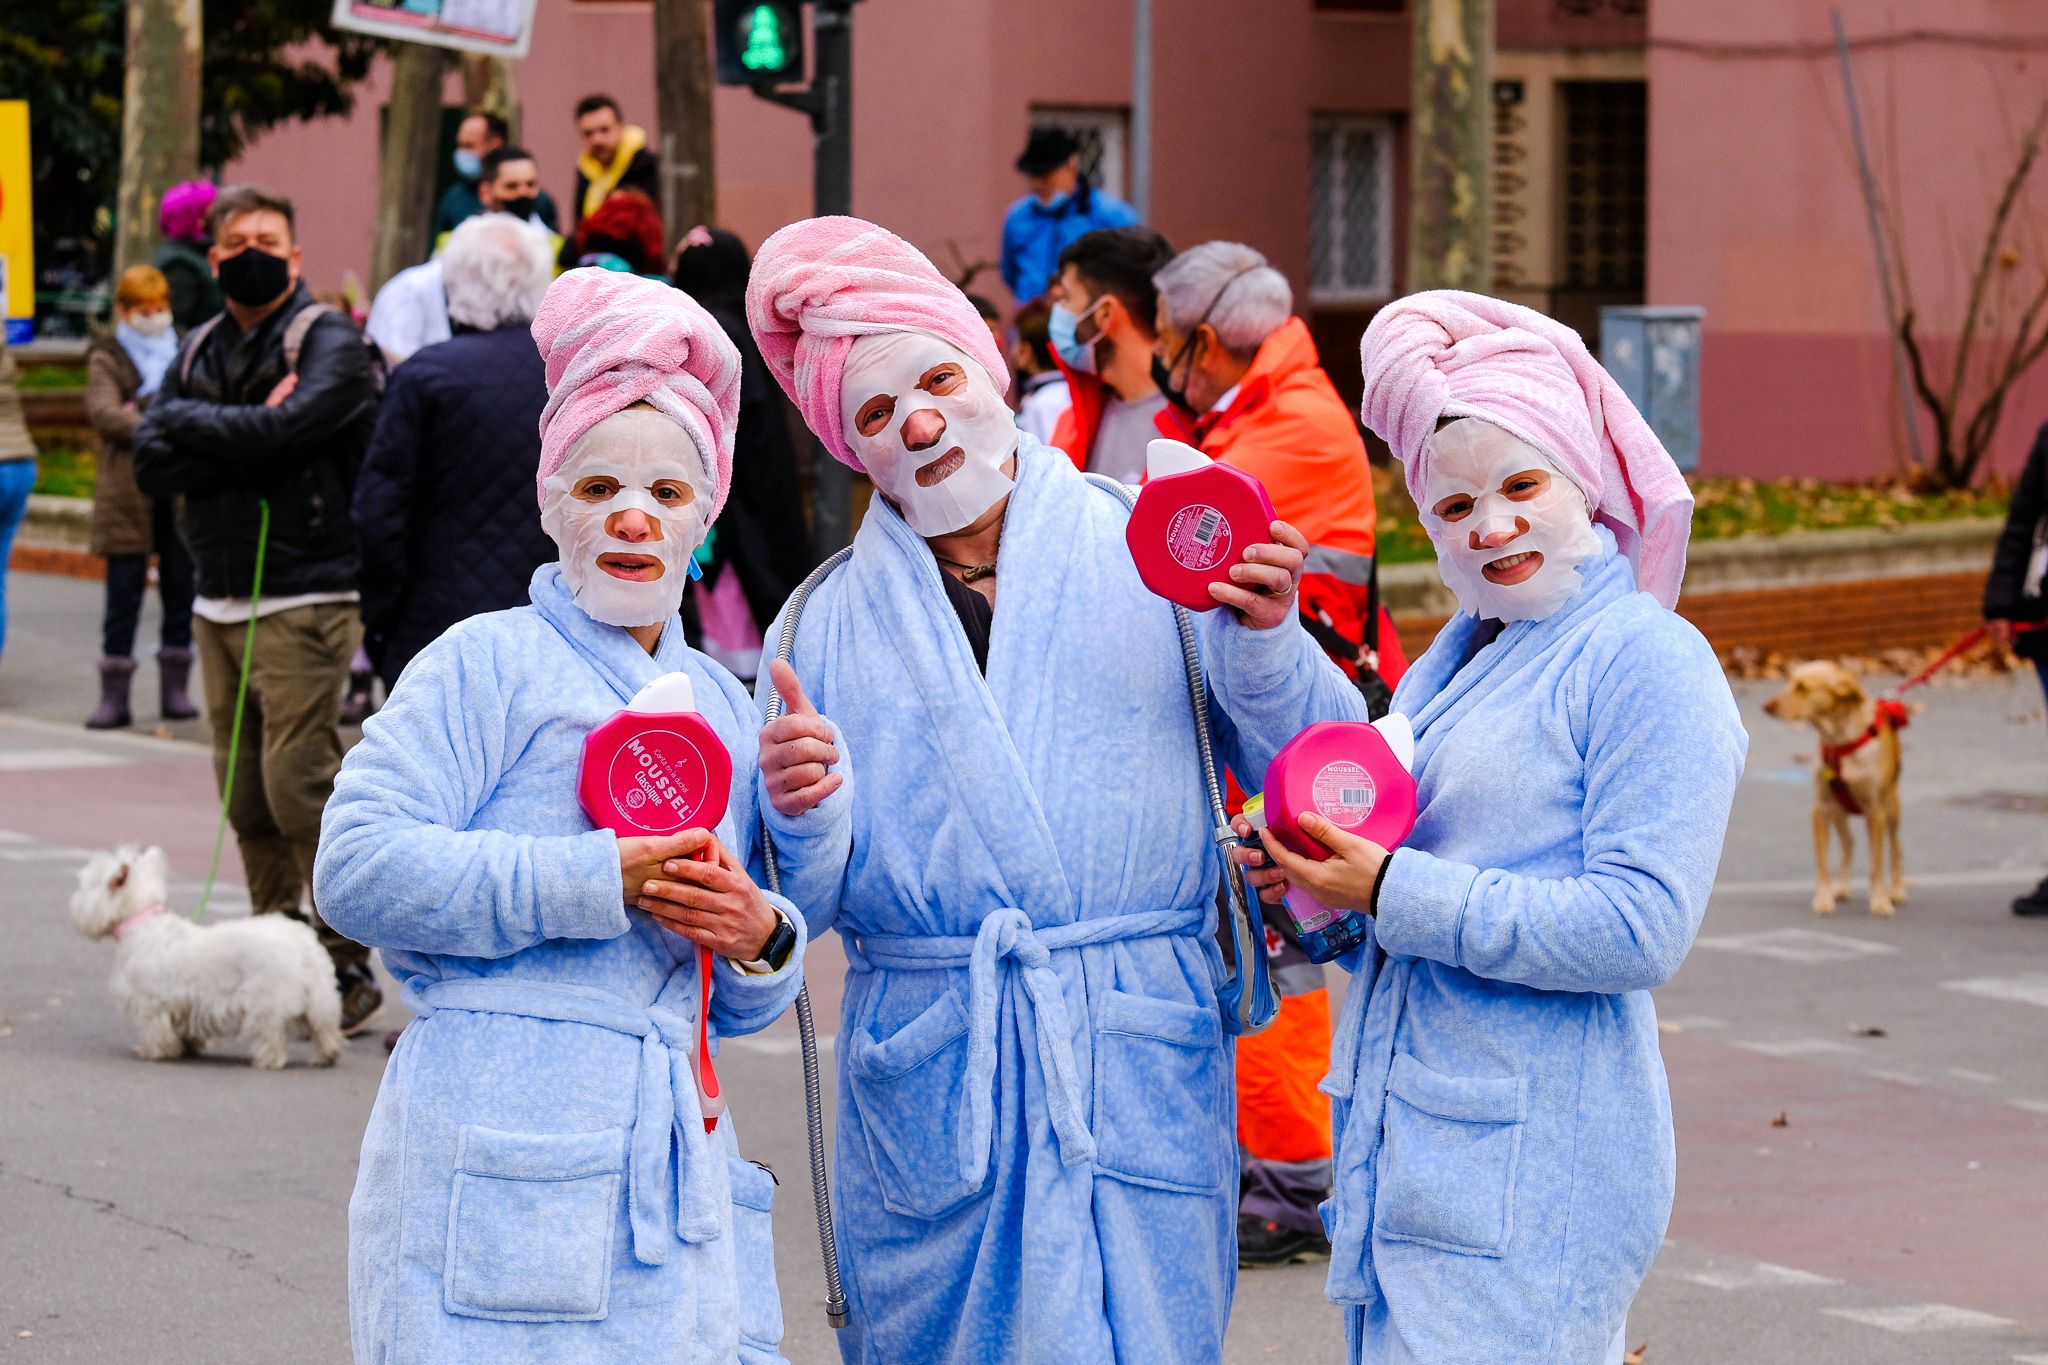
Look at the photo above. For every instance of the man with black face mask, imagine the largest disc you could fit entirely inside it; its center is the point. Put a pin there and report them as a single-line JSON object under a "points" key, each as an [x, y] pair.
{"points": [[270, 405]]}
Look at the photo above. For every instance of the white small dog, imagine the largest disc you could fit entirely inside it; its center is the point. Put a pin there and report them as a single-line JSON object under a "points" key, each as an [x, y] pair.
{"points": [[183, 985]]}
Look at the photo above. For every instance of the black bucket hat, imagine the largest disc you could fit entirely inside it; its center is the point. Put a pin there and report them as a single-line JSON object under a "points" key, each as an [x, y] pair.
{"points": [[1048, 150]]}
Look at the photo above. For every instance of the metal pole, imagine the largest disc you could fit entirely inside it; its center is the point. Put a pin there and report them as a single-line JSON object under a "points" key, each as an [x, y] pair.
{"points": [[1884, 274], [1141, 108], [832, 193]]}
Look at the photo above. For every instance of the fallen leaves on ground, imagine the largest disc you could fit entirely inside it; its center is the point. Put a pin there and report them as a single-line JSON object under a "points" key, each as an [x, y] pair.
{"points": [[1635, 1357], [1866, 1031], [1985, 659], [1782, 1121]]}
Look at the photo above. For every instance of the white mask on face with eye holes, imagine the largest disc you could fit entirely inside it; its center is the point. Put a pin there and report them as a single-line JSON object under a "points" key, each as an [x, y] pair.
{"points": [[628, 571], [930, 426], [1510, 528]]}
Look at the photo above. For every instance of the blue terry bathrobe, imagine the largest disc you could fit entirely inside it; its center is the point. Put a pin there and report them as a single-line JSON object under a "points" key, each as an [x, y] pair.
{"points": [[1504, 1163], [1036, 1158], [536, 1182]]}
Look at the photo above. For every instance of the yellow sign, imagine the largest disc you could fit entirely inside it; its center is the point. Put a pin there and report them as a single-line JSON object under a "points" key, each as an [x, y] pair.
{"points": [[17, 237]]}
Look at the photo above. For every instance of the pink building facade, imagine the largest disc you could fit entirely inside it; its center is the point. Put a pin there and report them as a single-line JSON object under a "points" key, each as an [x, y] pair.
{"points": [[1694, 155]]}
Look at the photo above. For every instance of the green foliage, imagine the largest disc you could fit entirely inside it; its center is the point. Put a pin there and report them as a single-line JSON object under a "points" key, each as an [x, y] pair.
{"points": [[65, 472], [66, 57]]}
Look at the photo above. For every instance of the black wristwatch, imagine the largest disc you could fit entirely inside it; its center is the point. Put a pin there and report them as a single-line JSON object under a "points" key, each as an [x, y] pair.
{"points": [[775, 954]]}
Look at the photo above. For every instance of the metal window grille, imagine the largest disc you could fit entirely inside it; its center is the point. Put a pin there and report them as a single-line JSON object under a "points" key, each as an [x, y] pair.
{"points": [[1605, 200], [1351, 192], [1101, 134]]}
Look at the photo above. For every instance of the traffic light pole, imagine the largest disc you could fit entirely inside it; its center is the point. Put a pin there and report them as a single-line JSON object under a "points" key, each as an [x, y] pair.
{"points": [[829, 104]]}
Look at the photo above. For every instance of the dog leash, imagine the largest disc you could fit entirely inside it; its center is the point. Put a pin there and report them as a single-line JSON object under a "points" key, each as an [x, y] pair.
{"points": [[1949, 655], [227, 781]]}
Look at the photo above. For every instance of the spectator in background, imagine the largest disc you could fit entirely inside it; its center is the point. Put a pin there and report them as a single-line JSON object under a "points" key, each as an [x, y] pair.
{"points": [[615, 156], [270, 406], [123, 370], [986, 310], [1238, 362], [1061, 206], [17, 469], [2015, 597], [510, 183], [1101, 332], [181, 217], [623, 234], [1042, 395], [759, 550], [477, 137], [444, 505]]}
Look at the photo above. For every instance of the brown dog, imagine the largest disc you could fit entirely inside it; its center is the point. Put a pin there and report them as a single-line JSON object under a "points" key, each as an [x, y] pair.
{"points": [[1859, 775]]}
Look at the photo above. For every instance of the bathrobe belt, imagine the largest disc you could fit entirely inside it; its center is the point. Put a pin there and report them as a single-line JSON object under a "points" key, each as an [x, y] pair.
{"points": [[702, 1186], [1008, 941]]}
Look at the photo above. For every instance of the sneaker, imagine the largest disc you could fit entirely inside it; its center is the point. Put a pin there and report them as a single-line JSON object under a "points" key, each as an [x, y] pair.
{"points": [[2035, 902], [1264, 1243], [360, 998]]}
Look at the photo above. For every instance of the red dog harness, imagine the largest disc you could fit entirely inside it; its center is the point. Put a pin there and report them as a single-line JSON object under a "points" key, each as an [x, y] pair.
{"points": [[1890, 712]]}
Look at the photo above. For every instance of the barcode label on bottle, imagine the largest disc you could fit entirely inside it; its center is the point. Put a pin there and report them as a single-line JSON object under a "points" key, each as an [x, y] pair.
{"points": [[1206, 526], [1355, 796]]}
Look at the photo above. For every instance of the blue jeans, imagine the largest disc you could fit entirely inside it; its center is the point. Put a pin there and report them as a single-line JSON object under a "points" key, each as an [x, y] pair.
{"points": [[16, 478]]}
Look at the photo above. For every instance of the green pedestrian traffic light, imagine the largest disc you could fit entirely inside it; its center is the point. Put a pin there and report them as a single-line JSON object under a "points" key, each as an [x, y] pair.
{"points": [[760, 42]]}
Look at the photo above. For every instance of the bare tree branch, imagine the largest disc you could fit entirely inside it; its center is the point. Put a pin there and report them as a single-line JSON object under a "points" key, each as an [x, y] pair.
{"points": [[1987, 260]]}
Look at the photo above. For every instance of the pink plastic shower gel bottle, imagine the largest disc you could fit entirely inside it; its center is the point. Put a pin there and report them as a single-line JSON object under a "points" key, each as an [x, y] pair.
{"points": [[658, 767], [1357, 777], [1193, 520]]}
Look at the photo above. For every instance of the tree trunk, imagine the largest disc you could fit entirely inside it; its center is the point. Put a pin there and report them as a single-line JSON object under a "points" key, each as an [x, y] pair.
{"points": [[682, 80], [405, 176], [1450, 220], [159, 119]]}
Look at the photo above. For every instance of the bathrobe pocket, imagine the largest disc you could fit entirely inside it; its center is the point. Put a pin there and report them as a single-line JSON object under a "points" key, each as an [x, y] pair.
{"points": [[753, 1257], [531, 1224], [910, 1090], [1162, 1110], [1447, 1165]]}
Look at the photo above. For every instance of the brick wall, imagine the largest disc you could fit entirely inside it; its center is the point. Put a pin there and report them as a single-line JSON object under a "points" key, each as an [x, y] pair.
{"points": [[1812, 621]]}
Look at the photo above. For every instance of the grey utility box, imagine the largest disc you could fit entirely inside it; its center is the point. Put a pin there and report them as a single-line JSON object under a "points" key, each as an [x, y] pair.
{"points": [[1654, 354]]}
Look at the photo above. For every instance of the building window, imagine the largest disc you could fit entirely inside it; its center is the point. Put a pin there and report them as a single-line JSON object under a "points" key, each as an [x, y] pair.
{"points": [[1351, 188], [1605, 198], [1102, 135]]}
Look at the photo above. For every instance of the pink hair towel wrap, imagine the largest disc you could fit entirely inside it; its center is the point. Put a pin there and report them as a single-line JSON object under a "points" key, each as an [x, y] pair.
{"points": [[819, 284], [611, 340], [1445, 353]]}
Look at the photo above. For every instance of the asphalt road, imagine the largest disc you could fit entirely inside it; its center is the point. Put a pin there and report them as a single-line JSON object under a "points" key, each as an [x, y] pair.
{"points": [[193, 1211]]}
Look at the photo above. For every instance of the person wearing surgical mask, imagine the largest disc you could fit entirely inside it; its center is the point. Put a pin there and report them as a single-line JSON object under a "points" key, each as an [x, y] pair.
{"points": [[477, 137], [596, 1216], [986, 777], [1102, 333], [1503, 1169]]}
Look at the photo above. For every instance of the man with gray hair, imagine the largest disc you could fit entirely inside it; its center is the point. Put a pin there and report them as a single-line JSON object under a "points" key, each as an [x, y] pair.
{"points": [[1235, 360], [444, 505]]}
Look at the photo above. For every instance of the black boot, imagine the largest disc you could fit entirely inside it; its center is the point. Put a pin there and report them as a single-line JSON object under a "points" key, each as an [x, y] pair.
{"points": [[115, 675], [1261, 1242], [174, 672], [2035, 902], [357, 704]]}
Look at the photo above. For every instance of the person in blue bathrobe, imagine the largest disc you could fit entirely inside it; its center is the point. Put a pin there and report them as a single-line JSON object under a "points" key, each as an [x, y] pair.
{"points": [[1504, 1166], [989, 785], [537, 1182]]}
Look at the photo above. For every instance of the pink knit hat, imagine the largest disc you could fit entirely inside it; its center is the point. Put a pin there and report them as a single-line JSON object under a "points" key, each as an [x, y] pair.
{"points": [[821, 283], [610, 340], [1451, 354], [182, 214]]}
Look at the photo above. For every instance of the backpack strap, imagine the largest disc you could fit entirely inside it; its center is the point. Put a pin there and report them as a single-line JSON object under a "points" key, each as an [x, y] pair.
{"points": [[194, 339], [295, 331]]}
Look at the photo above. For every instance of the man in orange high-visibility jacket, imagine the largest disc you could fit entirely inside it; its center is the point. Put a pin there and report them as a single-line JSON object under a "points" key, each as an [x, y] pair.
{"points": [[1234, 359]]}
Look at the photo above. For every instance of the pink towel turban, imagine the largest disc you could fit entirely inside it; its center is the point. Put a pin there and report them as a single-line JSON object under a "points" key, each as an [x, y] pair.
{"points": [[821, 283], [1450, 354], [611, 340], [182, 214]]}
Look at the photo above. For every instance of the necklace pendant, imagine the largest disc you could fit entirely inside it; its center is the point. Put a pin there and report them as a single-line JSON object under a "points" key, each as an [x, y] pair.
{"points": [[974, 573]]}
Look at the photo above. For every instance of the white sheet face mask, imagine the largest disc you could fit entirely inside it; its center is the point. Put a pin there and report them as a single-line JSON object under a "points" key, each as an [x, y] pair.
{"points": [[931, 428], [1510, 528], [629, 571]]}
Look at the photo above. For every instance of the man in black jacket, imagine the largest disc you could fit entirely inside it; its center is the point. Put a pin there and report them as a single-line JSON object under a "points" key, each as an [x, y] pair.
{"points": [[616, 156], [2015, 599], [444, 511], [269, 407]]}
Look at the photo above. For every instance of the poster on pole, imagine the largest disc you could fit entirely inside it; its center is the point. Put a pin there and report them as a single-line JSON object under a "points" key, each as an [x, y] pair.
{"points": [[17, 225], [500, 28]]}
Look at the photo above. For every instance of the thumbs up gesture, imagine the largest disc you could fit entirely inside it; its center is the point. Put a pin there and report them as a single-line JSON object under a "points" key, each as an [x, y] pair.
{"points": [[797, 753]]}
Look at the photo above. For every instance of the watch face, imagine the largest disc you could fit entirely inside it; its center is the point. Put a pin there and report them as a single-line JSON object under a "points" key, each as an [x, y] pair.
{"points": [[776, 954]]}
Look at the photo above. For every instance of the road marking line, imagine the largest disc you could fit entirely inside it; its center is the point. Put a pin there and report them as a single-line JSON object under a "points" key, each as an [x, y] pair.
{"points": [[1804, 946], [1964, 1073], [1978, 876], [1921, 1317], [1762, 1275], [46, 760], [1898, 1077], [2028, 989], [1684, 1023], [2031, 1106], [1799, 1047], [2032, 1360], [173, 746]]}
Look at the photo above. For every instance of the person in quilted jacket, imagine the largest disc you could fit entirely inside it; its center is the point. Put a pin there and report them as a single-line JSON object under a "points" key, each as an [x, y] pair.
{"points": [[444, 506]]}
